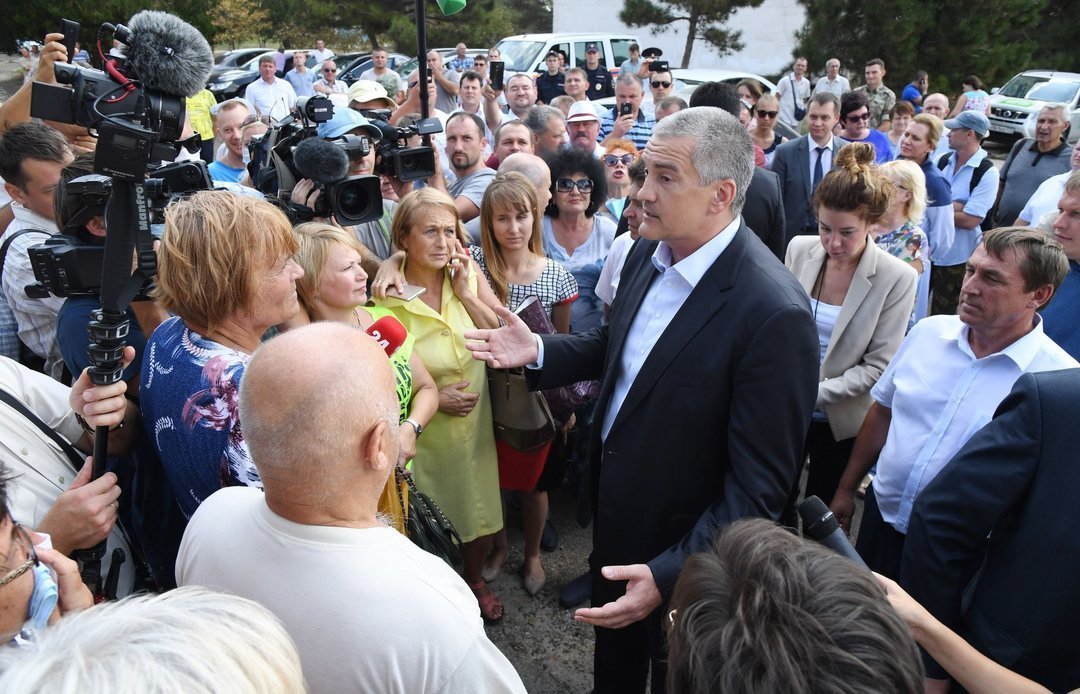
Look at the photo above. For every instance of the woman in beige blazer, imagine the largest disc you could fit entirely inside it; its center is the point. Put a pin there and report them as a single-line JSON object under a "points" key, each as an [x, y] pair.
{"points": [[861, 297]]}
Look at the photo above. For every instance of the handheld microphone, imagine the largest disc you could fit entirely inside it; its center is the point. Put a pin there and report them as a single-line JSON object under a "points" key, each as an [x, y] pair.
{"points": [[389, 333], [321, 161], [821, 525], [167, 54]]}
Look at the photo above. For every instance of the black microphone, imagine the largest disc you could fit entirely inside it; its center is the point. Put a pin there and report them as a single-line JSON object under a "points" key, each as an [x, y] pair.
{"points": [[821, 525], [321, 161], [167, 54]]}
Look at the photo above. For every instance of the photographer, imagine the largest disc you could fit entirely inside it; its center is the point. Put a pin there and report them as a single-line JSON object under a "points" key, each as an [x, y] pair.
{"points": [[71, 323]]}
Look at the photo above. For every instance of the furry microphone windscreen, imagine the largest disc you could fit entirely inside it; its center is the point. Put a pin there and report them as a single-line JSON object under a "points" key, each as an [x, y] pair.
{"points": [[321, 161], [167, 54]]}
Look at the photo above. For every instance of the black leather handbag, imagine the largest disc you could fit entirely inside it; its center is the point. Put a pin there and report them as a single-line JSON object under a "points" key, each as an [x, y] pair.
{"points": [[427, 525]]}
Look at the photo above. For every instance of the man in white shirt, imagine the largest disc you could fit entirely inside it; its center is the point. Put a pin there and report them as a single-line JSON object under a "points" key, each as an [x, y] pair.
{"points": [[271, 96], [793, 93], [321, 52], [366, 607], [833, 82], [32, 155], [947, 379]]}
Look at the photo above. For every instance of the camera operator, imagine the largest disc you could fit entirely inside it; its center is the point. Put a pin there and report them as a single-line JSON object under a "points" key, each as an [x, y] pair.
{"points": [[375, 235], [32, 155], [71, 323]]}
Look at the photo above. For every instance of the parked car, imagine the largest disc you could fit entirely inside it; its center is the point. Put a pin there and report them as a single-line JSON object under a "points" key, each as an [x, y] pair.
{"points": [[1019, 101], [351, 72], [233, 82], [232, 60], [526, 53], [691, 77]]}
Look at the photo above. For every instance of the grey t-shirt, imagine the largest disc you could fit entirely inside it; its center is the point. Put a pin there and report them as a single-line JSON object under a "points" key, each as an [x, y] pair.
{"points": [[473, 185], [376, 234]]}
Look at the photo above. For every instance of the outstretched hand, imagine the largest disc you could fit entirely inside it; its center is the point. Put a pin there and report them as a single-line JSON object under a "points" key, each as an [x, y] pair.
{"points": [[641, 598], [508, 347]]}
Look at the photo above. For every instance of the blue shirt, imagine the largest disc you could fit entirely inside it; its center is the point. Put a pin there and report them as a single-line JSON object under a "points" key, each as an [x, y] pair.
{"points": [[882, 146], [72, 338], [938, 219], [639, 133], [976, 203], [910, 94], [1061, 319], [220, 171]]}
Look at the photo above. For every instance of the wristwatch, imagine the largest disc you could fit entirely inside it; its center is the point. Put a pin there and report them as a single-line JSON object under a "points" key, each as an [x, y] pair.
{"points": [[415, 425]]}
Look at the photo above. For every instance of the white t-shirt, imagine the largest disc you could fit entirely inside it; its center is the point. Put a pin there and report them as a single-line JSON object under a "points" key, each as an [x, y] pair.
{"points": [[275, 99], [608, 284], [368, 610]]}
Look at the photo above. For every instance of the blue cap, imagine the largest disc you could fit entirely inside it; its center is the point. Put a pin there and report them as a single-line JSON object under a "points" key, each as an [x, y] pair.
{"points": [[344, 121], [970, 120]]}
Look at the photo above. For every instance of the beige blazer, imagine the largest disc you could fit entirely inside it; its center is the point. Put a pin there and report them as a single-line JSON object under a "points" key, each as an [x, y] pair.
{"points": [[868, 331]]}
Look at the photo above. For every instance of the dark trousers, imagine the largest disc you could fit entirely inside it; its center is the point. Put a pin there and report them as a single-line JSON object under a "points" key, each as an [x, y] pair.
{"points": [[828, 458], [622, 658], [880, 545], [945, 281]]}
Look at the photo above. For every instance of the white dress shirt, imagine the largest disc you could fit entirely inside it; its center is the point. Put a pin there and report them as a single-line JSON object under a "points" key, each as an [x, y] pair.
{"points": [[826, 156], [940, 394]]}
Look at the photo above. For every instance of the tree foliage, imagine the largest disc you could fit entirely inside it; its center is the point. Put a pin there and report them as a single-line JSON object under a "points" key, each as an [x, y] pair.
{"points": [[704, 19], [989, 38], [238, 20]]}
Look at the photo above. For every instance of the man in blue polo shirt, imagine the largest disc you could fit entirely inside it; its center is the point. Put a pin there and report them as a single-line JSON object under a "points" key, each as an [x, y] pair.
{"points": [[971, 203], [636, 126]]}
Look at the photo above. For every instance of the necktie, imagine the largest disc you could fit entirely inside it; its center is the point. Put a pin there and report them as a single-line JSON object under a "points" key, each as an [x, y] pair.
{"points": [[817, 169]]}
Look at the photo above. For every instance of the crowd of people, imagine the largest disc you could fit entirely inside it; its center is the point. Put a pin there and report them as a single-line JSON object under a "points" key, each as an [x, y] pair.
{"points": [[873, 301]]}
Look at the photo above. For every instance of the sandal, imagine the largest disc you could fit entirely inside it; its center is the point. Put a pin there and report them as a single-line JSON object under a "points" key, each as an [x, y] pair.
{"points": [[491, 607]]}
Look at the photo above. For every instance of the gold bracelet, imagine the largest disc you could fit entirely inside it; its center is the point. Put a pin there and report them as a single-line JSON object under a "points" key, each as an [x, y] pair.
{"points": [[89, 429]]}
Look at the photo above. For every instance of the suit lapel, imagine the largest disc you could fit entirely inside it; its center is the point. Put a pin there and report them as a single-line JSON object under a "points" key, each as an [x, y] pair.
{"points": [[856, 294], [804, 162], [707, 298]]}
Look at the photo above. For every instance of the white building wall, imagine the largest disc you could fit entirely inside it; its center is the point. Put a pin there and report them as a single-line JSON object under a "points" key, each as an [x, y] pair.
{"points": [[768, 33]]}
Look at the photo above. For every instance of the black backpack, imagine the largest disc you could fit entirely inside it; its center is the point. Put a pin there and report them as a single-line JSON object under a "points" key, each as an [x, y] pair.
{"points": [[988, 221]]}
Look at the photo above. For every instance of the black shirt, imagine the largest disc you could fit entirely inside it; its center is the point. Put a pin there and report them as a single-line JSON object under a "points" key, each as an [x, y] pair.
{"points": [[549, 86], [600, 83]]}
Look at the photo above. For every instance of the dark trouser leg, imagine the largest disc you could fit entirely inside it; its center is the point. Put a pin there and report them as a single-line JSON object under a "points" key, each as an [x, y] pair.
{"points": [[879, 544], [623, 657], [945, 281], [828, 458]]}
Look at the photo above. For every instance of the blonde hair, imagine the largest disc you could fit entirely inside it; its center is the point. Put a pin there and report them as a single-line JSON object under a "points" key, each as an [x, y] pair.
{"points": [[315, 241], [216, 248], [414, 206], [912, 179], [855, 184], [509, 190]]}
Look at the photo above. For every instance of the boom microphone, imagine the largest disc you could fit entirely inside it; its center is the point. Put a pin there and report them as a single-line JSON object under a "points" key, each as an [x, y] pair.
{"points": [[166, 53], [321, 161], [389, 333], [821, 525]]}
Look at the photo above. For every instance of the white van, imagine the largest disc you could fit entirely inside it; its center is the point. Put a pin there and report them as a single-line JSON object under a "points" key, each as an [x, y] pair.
{"points": [[526, 53]]}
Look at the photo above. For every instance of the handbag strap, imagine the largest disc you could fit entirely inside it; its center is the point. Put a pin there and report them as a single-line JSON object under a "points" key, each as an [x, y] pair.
{"points": [[66, 447]]}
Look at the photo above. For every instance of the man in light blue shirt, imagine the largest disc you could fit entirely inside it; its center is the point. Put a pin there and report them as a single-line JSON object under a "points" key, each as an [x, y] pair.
{"points": [[974, 183], [945, 382], [301, 79]]}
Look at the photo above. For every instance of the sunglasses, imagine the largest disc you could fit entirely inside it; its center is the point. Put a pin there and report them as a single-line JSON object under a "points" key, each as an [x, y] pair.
{"points": [[852, 116], [328, 69], [658, 84], [18, 532], [565, 185], [767, 114], [612, 160], [255, 119]]}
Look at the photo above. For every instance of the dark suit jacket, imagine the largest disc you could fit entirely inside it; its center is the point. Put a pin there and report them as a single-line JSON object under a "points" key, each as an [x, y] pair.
{"points": [[712, 428], [764, 211], [791, 164], [1018, 481]]}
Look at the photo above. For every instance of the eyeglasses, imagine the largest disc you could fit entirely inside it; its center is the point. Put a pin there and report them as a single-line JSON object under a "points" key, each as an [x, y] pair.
{"points": [[767, 114], [860, 117], [328, 69], [254, 119], [612, 160], [565, 185], [658, 84], [19, 532]]}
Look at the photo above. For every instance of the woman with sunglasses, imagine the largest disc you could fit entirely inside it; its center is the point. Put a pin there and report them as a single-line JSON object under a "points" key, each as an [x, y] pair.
{"points": [[763, 134], [861, 298], [574, 235], [618, 156]]}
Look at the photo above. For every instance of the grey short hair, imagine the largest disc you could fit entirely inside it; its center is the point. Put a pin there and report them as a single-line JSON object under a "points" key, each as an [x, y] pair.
{"points": [[630, 78], [1066, 111], [186, 640], [538, 118], [722, 147], [1072, 183]]}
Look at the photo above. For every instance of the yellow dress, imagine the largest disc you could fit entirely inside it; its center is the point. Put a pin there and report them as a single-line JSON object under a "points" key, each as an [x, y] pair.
{"points": [[455, 461]]}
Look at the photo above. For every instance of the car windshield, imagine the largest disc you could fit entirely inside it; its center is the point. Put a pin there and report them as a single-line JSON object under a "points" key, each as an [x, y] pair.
{"points": [[1019, 86], [519, 56], [1054, 91]]}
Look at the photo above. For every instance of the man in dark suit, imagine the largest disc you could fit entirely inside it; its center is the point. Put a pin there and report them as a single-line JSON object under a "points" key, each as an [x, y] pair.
{"points": [[709, 376], [802, 163], [763, 211], [1015, 481]]}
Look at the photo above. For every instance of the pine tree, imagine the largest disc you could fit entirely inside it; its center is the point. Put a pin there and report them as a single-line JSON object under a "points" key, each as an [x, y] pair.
{"points": [[704, 18]]}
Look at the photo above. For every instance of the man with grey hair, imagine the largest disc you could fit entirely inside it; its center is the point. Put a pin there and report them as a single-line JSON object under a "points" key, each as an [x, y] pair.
{"points": [[1032, 160], [709, 336], [548, 126], [324, 435], [626, 120], [833, 82], [937, 104]]}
